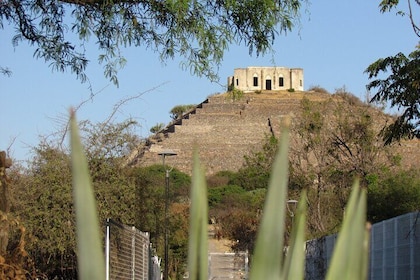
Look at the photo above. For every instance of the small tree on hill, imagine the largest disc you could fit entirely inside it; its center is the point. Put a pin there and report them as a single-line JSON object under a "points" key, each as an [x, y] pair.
{"points": [[157, 127], [177, 111]]}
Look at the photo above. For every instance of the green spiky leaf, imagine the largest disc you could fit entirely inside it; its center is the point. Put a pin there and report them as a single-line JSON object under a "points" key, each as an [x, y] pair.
{"points": [[198, 243], [269, 244], [350, 255], [294, 265], [90, 257]]}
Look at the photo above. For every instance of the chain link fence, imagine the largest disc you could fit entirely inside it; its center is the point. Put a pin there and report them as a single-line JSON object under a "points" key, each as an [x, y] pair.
{"points": [[129, 254]]}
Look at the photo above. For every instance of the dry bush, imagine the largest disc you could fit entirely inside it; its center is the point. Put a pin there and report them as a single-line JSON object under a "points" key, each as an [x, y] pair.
{"points": [[318, 88]]}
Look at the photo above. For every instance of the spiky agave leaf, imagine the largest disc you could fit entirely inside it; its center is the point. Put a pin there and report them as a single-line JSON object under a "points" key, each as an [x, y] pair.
{"points": [[350, 255], [294, 264], [198, 236], [269, 245], [90, 257]]}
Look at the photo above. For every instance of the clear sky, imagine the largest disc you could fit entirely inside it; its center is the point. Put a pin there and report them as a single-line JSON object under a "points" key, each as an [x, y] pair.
{"points": [[334, 44]]}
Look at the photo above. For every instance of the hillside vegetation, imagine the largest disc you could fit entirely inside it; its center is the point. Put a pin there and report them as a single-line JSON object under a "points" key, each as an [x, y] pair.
{"points": [[334, 139]]}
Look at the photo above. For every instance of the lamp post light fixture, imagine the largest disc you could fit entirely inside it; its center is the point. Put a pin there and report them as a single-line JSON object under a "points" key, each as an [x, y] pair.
{"points": [[291, 207], [164, 154]]}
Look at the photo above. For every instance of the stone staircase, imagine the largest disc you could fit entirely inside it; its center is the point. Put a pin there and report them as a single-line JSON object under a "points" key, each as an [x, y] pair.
{"points": [[222, 130]]}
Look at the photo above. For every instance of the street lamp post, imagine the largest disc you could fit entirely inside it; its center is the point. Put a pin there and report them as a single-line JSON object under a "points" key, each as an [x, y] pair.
{"points": [[291, 207], [164, 154]]}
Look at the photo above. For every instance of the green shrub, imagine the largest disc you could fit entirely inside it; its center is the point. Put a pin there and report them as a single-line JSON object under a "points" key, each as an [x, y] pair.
{"points": [[318, 88], [402, 188], [236, 94], [216, 195], [349, 260]]}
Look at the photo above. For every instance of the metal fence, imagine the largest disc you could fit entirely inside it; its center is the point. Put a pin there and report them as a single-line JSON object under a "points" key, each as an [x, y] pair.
{"points": [[228, 266], [394, 250], [318, 255], [128, 254], [394, 254]]}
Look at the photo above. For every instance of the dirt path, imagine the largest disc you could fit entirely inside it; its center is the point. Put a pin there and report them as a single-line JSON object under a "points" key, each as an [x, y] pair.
{"points": [[218, 245]]}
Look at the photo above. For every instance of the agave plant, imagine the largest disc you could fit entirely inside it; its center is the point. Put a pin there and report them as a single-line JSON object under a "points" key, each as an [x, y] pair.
{"points": [[90, 256], [350, 257]]}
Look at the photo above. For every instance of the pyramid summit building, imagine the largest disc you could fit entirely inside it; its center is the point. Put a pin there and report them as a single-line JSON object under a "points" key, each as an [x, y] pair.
{"points": [[266, 78]]}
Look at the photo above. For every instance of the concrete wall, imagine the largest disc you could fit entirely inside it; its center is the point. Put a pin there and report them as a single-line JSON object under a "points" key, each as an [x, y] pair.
{"points": [[267, 78]]}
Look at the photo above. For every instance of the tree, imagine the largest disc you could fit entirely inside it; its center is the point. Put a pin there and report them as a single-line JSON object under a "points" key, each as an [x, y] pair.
{"points": [[45, 207], [388, 5], [157, 127], [43, 193], [199, 31], [402, 87], [150, 203], [402, 188], [336, 141], [177, 111], [4, 203], [255, 172], [238, 217]]}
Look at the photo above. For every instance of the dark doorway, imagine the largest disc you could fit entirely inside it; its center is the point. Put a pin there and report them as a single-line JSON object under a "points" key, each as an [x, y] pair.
{"points": [[268, 84]]}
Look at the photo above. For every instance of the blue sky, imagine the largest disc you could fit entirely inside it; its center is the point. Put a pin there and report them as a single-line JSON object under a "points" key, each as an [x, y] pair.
{"points": [[334, 44]]}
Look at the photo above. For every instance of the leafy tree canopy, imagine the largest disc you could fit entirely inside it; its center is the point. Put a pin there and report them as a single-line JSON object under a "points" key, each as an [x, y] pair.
{"points": [[177, 111], [402, 87], [157, 127], [199, 31], [402, 188]]}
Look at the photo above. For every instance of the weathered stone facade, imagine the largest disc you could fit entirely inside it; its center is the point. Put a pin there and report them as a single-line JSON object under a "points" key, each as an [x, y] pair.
{"points": [[266, 78]]}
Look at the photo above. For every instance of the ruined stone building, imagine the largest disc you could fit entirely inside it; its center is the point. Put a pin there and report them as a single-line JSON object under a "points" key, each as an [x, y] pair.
{"points": [[223, 129], [266, 78]]}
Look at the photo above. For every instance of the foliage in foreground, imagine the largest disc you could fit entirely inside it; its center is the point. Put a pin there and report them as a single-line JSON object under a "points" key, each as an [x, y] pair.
{"points": [[197, 31], [43, 194], [350, 256], [400, 89]]}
